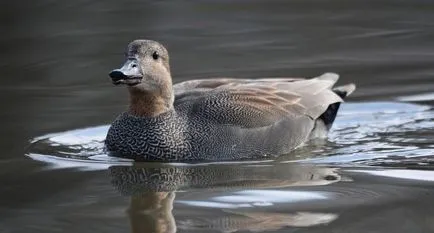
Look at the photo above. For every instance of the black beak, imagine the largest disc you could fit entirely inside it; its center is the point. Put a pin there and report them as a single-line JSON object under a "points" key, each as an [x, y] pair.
{"points": [[128, 74], [117, 75]]}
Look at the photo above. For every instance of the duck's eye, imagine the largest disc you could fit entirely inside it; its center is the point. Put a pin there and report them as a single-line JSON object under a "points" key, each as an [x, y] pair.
{"points": [[155, 55]]}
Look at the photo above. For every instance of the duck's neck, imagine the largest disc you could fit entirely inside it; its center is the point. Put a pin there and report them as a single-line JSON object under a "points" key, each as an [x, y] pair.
{"points": [[150, 103]]}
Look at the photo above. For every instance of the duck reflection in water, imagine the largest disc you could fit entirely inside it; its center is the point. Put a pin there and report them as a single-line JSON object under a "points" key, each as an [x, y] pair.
{"points": [[152, 189]]}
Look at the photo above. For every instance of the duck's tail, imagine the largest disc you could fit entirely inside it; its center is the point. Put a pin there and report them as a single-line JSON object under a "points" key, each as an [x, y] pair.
{"points": [[329, 116], [344, 91]]}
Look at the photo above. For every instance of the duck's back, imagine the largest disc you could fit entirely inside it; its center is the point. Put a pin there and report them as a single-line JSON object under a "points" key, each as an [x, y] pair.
{"points": [[247, 118]]}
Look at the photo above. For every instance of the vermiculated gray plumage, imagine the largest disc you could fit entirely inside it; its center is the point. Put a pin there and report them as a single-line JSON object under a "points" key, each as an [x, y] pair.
{"points": [[215, 119], [230, 119]]}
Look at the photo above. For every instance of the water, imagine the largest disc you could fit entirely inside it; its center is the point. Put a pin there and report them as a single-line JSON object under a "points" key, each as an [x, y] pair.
{"points": [[374, 174]]}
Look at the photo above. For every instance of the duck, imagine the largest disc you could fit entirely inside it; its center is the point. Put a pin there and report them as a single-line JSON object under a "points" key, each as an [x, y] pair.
{"points": [[215, 119]]}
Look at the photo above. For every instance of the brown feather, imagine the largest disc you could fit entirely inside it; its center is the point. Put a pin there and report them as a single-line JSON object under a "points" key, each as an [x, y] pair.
{"points": [[266, 100]]}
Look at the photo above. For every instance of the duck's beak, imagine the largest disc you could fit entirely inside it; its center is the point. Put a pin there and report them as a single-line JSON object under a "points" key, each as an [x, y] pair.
{"points": [[128, 74]]}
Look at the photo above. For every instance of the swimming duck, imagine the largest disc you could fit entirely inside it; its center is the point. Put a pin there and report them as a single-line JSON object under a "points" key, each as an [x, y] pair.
{"points": [[218, 118]]}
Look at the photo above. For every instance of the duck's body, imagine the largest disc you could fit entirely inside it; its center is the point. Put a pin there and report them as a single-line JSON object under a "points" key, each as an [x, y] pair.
{"points": [[217, 119]]}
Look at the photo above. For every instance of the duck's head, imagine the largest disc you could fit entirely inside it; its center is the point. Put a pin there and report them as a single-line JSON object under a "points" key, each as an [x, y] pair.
{"points": [[146, 73], [146, 67]]}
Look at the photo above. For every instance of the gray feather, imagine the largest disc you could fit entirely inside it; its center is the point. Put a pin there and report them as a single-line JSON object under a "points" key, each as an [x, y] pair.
{"points": [[228, 119]]}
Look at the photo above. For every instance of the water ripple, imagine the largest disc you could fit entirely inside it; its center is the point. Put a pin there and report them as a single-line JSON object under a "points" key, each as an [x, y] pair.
{"points": [[363, 133]]}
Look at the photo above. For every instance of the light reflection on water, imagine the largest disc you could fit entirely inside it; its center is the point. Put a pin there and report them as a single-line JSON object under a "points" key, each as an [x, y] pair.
{"points": [[362, 132], [313, 186]]}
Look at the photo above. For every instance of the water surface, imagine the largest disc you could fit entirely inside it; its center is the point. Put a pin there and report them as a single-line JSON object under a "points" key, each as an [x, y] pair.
{"points": [[373, 174]]}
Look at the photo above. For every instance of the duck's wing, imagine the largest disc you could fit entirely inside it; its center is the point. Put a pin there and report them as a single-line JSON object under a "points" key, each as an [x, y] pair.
{"points": [[213, 83], [252, 103]]}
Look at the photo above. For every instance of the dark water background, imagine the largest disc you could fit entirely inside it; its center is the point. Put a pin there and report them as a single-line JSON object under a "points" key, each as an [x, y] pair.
{"points": [[54, 61]]}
